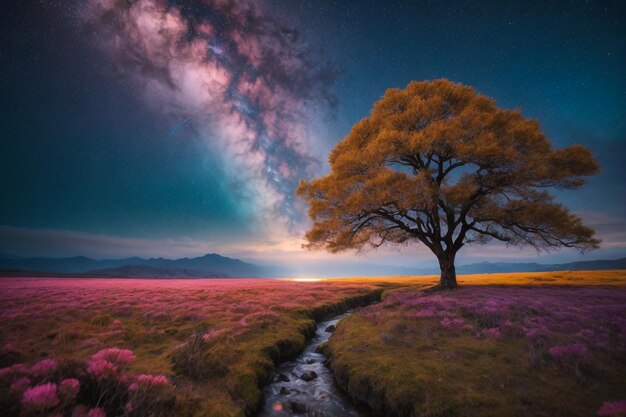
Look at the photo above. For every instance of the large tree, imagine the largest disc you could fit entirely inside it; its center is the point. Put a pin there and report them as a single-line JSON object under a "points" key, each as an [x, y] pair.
{"points": [[440, 164]]}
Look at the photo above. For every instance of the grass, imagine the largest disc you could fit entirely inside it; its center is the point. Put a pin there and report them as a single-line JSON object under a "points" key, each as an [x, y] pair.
{"points": [[215, 340], [524, 344], [541, 344]]}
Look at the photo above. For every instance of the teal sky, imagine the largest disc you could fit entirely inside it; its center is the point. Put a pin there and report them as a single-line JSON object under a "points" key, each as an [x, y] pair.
{"points": [[102, 143]]}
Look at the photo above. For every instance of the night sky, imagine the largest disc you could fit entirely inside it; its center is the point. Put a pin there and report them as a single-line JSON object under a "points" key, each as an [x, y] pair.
{"points": [[178, 128]]}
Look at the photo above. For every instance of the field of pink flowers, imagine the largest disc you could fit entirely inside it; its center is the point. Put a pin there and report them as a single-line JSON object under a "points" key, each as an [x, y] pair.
{"points": [[489, 351], [113, 347]]}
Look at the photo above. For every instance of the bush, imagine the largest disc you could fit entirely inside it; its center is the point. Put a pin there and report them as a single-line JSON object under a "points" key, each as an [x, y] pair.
{"points": [[96, 388]]}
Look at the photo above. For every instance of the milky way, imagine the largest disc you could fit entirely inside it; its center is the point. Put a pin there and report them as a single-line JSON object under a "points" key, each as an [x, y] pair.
{"points": [[247, 83]]}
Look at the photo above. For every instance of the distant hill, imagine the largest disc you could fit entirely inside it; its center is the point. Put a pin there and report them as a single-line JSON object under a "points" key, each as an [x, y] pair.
{"points": [[211, 265], [146, 271], [357, 268], [217, 266], [485, 267], [504, 267]]}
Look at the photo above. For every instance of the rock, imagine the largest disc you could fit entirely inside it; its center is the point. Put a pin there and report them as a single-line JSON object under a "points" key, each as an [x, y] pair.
{"points": [[281, 378], [309, 361], [330, 328], [283, 391], [324, 394], [308, 376], [297, 406]]}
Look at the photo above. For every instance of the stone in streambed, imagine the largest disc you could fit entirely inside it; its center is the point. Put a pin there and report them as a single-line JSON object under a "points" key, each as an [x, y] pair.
{"points": [[297, 407], [308, 376], [324, 394], [283, 391], [281, 378], [330, 328], [310, 361]]}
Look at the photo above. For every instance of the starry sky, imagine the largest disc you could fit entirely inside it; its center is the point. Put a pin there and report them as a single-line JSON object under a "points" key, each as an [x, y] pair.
{"points": [[176, 128]]}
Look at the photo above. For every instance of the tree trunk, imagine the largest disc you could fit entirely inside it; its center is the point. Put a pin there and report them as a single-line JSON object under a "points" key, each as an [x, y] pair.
{"points": [[447, 279]]}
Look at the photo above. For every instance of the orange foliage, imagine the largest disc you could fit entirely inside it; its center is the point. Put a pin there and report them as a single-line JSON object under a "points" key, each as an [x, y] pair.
{"points": [[439, 164]]}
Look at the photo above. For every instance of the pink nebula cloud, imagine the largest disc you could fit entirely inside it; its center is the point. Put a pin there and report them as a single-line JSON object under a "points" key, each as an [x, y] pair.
{"points": [[247, 82]]}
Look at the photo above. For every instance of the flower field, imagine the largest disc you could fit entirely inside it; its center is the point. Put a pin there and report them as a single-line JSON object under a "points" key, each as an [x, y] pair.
{"points": [[525, 344], [112, 347], [489, 350]]}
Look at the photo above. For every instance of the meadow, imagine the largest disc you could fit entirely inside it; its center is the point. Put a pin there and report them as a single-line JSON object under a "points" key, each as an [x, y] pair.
{"points": [[96, 347], [544, 344], [525, 344]]}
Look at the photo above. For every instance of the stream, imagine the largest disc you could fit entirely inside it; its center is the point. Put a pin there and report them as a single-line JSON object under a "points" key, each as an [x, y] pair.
{"points": [[305, 387]]}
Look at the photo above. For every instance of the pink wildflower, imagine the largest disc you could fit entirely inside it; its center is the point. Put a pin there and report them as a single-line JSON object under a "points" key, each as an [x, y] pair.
{"points": [[69, 387], [452, 323], [40, 397], [79, 411], [101, 369], [613, 409], [153, 379], [13, 370], [20, 385], [493, 333], [425, 313], [96, 412], [534, 332], [574, 350], [116, 356], [213, 335], [44, 367], [148, 381]]}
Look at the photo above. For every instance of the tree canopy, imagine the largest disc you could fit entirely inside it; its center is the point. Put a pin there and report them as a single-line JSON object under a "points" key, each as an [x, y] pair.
{"points": [[439, 164]]}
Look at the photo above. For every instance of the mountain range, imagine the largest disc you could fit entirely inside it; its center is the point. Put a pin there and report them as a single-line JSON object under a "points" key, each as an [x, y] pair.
{"points": [[208, 266], [216, 266], [504, 267]]}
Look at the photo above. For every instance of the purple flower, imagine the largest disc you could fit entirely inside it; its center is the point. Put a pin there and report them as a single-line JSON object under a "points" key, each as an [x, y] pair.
{"points": [[44, 367], [575, 350], [116, 356], [13, 370], [452, 323], [425, 313], [96, 412], [535, 332], [613, 409], [20, 385], [101, 369], [148, 381], [69, 387], [493, 333], [40, 397]]}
